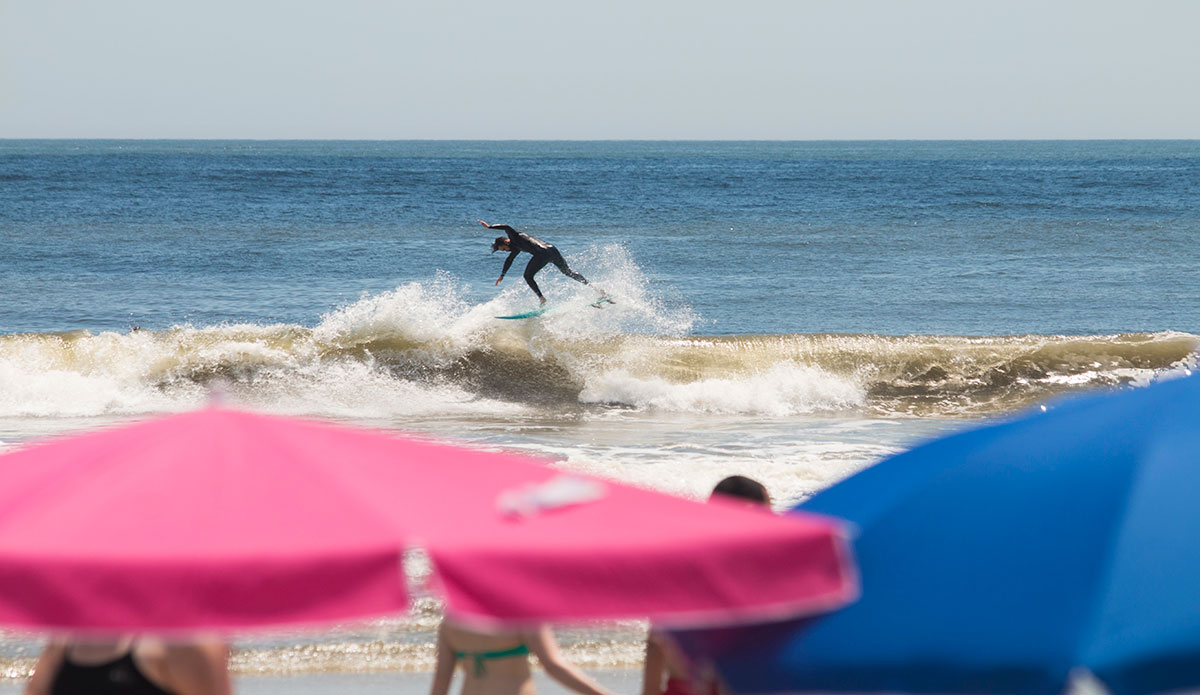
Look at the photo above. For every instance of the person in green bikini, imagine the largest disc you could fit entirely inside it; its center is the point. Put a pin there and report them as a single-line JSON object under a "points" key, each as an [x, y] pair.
{"points": [[498, 664]]}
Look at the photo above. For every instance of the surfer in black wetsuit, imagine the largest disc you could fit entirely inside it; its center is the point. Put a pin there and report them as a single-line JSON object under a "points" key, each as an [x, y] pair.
{"points": [[542, 253]]}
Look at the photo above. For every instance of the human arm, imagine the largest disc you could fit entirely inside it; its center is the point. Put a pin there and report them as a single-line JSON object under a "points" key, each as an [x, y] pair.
{"points": [[502, 227], [45, 670], [545, 648], [443, 672], [654, 667], [200, 668], [507, 264], [512, 233]]}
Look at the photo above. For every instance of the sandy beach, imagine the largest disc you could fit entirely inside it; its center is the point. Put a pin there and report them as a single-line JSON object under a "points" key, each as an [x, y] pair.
{"points": [[400, 683]]}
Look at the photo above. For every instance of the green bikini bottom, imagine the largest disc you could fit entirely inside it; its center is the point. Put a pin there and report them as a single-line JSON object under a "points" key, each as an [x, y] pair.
{"points": [[480, 657]]}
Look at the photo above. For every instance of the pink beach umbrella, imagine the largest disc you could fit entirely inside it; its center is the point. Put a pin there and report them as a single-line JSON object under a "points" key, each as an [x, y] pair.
{"points": [[225, 520]]}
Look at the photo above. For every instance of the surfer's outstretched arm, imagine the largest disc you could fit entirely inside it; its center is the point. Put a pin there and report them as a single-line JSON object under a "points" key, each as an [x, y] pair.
{"points": [[509, 230], [507, 264], [512, 233]]}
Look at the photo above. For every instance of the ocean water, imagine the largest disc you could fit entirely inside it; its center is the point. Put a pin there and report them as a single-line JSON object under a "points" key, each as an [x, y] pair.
{"points": [[788, 311]]}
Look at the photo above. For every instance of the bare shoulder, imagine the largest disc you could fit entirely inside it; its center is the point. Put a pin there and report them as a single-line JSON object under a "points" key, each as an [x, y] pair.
{"points": [[201, 667]]}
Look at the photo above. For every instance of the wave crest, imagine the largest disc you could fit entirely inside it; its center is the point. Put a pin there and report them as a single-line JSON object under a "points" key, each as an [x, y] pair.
{"points": [[422, 350]]}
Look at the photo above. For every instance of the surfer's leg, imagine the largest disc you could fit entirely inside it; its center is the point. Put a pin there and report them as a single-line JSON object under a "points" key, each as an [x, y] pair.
{"points": [[535, 264], [561, 263]]}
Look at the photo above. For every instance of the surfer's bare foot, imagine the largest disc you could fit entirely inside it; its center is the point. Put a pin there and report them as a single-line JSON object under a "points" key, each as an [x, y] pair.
{"points": [[543, 300]]}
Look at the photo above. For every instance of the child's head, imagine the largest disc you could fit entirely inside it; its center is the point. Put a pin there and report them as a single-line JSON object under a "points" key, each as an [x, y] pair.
{"points": [[741, 487]]}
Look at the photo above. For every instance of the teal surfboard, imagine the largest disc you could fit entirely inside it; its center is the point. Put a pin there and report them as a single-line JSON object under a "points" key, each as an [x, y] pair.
{"points": [[543, 309], [527, 315]]}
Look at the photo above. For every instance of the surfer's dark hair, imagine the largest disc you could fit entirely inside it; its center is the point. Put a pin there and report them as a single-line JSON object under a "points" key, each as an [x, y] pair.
{"points": [[500, 241], [743, 488]]}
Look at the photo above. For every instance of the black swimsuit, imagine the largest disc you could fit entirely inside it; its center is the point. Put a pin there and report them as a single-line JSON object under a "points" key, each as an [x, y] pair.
{"points": [[120, 676], [542, 253]]}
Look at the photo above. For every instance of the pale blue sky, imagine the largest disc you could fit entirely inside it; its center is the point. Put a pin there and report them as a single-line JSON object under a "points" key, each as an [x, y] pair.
{"points": [[550, 69]]}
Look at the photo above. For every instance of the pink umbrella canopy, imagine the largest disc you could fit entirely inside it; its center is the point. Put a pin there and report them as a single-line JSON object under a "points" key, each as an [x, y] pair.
{"points": [[226, 520]]}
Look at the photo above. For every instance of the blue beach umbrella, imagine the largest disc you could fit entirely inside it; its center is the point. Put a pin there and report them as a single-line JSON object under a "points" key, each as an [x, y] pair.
{"points": [[1001, 559]]}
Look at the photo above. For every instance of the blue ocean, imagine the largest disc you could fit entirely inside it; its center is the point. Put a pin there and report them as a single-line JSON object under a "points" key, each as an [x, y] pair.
{"points": [[791, 311], [891, 238]]}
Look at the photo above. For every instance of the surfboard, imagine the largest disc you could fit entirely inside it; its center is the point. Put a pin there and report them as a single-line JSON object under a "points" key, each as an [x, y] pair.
{"points": [[527, 315], [543, 309]]}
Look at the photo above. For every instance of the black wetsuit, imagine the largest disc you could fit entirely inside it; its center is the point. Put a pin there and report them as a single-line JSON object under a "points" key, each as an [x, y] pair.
{"points": [[542, 253]]}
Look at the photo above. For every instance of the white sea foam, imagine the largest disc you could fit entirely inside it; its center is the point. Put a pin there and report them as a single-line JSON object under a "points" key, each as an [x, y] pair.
{"points": [[86, 376], [684, 458], [783, 389], [273, 368], [422, 350], [431, 314]]}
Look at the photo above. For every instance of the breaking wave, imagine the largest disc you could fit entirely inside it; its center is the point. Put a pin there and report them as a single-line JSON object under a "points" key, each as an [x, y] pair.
{"points": [[420, 350]]}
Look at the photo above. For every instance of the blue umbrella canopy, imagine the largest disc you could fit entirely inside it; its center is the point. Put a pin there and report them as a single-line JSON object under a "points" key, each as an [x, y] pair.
{"points": [[999, 559]]}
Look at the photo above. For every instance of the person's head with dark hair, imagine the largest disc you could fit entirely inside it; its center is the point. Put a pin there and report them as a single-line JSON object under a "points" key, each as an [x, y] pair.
{"points": [[741, 487]]}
